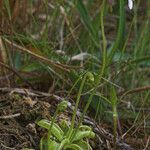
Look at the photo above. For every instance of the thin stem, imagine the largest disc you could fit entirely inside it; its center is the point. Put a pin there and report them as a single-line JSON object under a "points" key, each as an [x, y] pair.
{"points": [[52, 122], [76, 106], [104, 42]]}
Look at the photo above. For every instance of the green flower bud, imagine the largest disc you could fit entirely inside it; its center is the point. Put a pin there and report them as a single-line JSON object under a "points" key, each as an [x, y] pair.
{"points": [[62, 106]]}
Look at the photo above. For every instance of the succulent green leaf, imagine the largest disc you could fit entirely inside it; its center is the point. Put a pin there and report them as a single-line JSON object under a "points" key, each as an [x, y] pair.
{"points": [[74, 147], [85, 127], [56, 130], [53, 145], [63, 143], [83, 134], [84, 145], [43, 143]]}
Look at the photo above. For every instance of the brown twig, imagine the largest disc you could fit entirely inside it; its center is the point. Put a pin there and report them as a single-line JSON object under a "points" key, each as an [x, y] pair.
{"points": [[139, 89], [39, 57], [10, 116]]}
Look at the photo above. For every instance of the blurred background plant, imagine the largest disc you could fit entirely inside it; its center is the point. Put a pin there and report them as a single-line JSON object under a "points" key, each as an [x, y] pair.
{"points": [[46, 45]]}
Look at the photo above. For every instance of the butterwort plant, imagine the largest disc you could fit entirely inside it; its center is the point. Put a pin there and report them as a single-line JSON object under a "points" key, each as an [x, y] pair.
{"points": [[63, 136]]}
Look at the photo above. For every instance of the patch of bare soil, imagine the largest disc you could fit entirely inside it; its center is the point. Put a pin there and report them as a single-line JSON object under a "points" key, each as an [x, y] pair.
{"points": [[18, 113]]}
